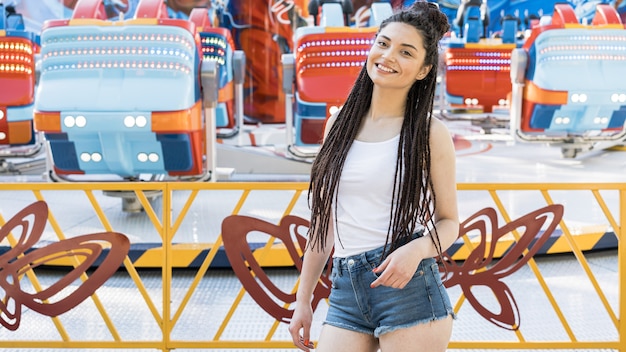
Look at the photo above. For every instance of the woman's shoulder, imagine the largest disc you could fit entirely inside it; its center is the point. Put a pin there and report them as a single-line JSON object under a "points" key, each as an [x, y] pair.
{"points": [[441, 140], [438, 129], [329, 122]]}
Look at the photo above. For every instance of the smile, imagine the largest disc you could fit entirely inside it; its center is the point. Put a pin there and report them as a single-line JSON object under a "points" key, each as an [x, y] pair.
{"points": [[385, 68]]}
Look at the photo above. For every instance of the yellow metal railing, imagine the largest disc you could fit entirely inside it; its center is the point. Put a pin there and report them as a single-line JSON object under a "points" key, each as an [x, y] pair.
{"points": [[195, 210]]}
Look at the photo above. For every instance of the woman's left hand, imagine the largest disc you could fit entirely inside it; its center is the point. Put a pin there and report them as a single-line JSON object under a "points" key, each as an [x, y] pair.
{"points": [[398, 268]]}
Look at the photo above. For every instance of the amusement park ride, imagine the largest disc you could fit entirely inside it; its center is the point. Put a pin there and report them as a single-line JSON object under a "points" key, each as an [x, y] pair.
{"points": [[151, 96], [18, 49], [557, 83], [129, 98]]}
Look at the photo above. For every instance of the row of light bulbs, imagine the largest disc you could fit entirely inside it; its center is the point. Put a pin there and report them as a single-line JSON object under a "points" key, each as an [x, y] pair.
{"points": [[335, 42], [97, 157], [120, 64], [174, 38], [119, 51], [80, 121], [19, 47]]}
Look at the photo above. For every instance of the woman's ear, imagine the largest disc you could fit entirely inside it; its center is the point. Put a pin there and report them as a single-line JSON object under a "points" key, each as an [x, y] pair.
{"points": [[423, 72]]}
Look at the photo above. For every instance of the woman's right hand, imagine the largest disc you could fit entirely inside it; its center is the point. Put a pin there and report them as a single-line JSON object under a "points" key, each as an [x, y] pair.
{"points": [[300, 327], [313, 265]]}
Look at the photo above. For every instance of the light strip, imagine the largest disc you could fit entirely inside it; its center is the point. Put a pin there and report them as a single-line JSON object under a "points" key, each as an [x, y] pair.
{"points": [[15, 68], [116, 38], [118, 51], [332, 65], [336, 53], [603, 57], [478, 68], [578, 48], [479, 61], [335, 42], [20, 47], [120, 64]]}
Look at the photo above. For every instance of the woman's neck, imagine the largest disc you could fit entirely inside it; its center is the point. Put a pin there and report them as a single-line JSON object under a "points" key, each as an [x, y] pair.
{"points": [[387, 103]]}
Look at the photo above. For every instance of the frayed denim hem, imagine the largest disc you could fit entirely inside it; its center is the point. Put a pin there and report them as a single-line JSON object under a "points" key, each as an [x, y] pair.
{"points": [[349, 327], [381, 330]]}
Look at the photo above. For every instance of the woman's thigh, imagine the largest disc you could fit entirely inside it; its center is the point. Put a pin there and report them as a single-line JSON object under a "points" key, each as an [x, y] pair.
{"points": [[334, 339], [427, 337]]}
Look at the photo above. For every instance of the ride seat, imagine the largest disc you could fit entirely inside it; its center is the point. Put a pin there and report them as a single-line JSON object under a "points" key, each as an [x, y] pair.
{"points": [[17, 79], [327, 62], [470, 20], [510, 26], [121, 98], [326, 19], [574, 75], [218, 45], [472, 30], [478, 69]]}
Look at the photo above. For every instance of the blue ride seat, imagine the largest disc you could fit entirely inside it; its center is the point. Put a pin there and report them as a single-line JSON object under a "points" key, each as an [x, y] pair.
{"points": [[217, 45], [470, 20], [472, 28], [510, 27], [18, 49], [124, 97], [573, 78]]}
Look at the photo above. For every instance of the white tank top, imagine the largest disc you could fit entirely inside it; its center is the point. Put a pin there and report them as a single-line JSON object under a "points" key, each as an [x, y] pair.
{"points": [[364, 197]]}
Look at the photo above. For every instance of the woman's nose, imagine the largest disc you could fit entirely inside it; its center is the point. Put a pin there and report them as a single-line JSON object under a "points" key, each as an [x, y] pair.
{"points": [[388, 56]]}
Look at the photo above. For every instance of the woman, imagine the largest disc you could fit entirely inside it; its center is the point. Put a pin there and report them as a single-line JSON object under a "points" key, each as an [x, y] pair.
{"points": [[383, 197]]}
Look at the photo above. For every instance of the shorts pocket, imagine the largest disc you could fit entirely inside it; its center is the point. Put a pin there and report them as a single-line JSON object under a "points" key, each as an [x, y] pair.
{"points": [[370, 266], [419, 272], [434, 268]]}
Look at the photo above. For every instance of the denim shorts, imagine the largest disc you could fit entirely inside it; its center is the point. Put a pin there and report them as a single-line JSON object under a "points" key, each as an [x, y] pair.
{"points": [[355, 306]]}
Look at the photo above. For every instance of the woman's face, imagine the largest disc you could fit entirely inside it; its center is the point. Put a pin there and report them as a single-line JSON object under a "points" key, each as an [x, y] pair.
{"points": [[396, 60]]}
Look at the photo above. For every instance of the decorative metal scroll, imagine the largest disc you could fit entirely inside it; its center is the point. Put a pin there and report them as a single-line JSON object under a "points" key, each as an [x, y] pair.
{"points": [[235, 230], [481, 268], [21, 259]]}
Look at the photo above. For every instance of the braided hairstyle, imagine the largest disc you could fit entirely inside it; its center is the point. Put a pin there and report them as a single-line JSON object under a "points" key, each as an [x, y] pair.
{"points": [[414, 198]]}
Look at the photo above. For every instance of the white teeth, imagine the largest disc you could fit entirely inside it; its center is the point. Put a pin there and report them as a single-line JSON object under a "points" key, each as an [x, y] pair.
{"points": [[384, 68]]}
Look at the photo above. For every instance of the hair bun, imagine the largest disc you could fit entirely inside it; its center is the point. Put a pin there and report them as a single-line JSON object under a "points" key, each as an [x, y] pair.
{"points": [[438, 19]]}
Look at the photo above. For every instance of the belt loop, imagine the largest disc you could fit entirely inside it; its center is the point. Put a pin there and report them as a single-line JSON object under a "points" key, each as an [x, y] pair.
{"points": [[339, 263], [365, 261]]}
